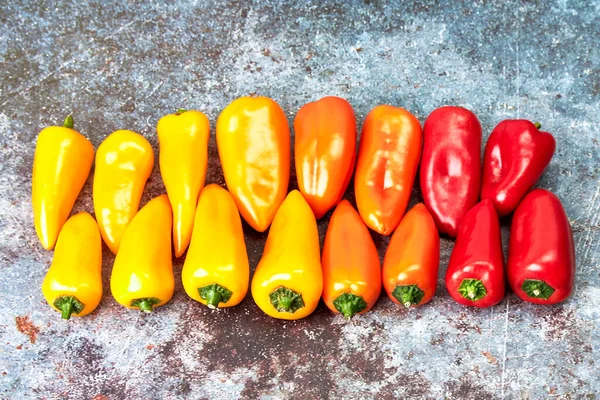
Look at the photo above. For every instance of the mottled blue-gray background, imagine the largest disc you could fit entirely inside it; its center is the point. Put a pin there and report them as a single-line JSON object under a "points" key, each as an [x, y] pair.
{"points": [[117, 65]]}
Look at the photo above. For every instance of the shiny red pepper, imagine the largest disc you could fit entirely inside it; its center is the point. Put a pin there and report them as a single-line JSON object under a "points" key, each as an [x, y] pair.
{"points": [[451, 165], [475, 275], [516, 155], [541, 252]]}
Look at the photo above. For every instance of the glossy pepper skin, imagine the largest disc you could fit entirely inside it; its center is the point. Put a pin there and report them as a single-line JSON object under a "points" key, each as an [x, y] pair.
{"points": [[288, 281], [62, 162], [411, 263], [183, 159], [216, 270], [451, 166], [541, 252], [142, 275], [388, 158], [351, 268], [124, 162], [253, 138], [325, 151], [515, 157], [475, 275], [73, 284]]}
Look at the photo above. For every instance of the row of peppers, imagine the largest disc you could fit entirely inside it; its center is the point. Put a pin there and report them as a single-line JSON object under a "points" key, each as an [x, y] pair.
{"points": [[253, 141]]}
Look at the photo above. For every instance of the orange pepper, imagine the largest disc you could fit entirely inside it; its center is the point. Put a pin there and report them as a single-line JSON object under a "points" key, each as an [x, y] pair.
{"points": [[62, 162], [253, 138], [325, 151], [351, 267], [183, 158], [411, 263], [123, 165], [388, 157], [288, 281]]}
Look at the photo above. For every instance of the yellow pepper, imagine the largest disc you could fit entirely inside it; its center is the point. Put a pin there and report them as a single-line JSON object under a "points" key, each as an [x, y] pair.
{"points": [[62, 162], [183, 158], [124, 162], [216, 270], [142, 275], [288, 280], [253, 138], [73, 283]]}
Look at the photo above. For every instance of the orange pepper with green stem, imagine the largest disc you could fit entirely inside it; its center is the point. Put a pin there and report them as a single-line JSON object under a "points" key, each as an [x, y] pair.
{"points": [[388, 157], [124, 162], [142, 275], [411, 263], [216, 270], [351, 268], [183, 158], [253, 138], [61, 165], [73, 283], [288, 281]]}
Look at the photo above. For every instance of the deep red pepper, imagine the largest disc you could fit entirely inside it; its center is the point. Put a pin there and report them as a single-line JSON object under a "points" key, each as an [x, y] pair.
{"points": [[475, 275], [516, 155], [451, 165], [541, 251]]}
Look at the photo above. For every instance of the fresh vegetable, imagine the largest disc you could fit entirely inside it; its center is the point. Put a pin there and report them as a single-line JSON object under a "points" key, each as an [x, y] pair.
{"points": [[451, 165], [411, 263], [516, 155], [183, 140], [73, 284], [288, 281], [475, 275], [325, 151], [124, 162], [61, 164], [541, 252], [253, 138], [388, 157], [142, 275], [216, 270], [351, 269]]}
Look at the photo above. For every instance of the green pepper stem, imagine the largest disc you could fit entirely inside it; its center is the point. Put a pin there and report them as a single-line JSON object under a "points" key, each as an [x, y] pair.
{"points": [[349, 304], [214, 294], [69, 123], [286, 300], [538, 125], [145, 304], [180, 111], [472, 289], [68, 305], [408, 295], [537, 289]]}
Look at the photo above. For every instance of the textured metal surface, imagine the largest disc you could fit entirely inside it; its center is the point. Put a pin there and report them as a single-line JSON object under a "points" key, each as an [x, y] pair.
{"points": [[117, 65]]}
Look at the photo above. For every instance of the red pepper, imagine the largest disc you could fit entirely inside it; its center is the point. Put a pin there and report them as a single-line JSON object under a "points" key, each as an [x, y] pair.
{"points": [[451, 165], [541, 251], [475, 275], [516, 155]]}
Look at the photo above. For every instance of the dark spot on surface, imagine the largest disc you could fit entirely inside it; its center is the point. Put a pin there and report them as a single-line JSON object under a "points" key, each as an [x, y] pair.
{"points": [[466, 389], [27, 328], [559, 96]]}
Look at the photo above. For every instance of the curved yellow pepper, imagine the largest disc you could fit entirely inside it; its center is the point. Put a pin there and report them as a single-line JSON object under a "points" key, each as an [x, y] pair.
{"points": [[288, 280], [253, 138], [124, 162], [62, 162], [73, 284], [142, 275], [216, 270], [183, 158]]}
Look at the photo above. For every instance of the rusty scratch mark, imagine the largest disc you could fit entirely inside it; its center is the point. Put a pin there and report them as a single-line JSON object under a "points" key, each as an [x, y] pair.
{"points": [[26, 327]]}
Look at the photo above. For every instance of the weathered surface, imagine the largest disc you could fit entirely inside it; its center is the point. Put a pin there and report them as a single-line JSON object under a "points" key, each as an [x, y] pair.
{"points": [[124, 66]]}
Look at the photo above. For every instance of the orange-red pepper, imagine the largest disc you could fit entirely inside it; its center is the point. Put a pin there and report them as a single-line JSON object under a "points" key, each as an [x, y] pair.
{"points": [[325, 151], [388, 157]]}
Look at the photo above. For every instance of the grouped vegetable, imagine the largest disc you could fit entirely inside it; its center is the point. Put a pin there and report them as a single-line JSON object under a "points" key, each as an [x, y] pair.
{"points": [[253, 141], [61, 164]]}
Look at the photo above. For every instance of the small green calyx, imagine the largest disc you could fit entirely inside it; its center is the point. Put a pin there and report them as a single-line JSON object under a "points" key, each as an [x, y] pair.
{"points": [[409, 295], [537, 289], [69, 123], [286, 300], [349, 304], [538, 125], [472, 289], [68, 305], [145, 304], [180, 111], [214, 294]]}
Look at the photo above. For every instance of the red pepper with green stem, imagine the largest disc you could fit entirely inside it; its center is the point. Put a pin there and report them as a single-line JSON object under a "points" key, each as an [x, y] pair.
{"points": [[541, 252], [475, 275], [516, 154]]}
